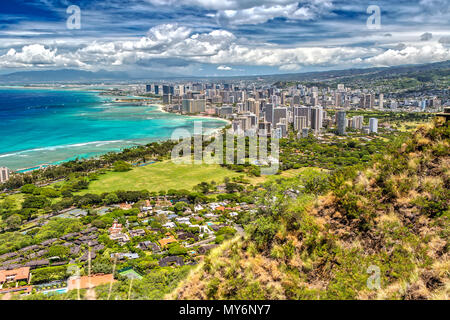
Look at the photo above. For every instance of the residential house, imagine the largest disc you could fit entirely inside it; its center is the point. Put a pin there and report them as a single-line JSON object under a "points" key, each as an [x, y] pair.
{"points": [[169, 225], [198, 207], [183, 220], [48, 242], [171, 260], [121, 255], [126, 206], [148, 245], [115, 228], [14, 275], [37, 263], [166, 241], [85, 256], [137, 233]]}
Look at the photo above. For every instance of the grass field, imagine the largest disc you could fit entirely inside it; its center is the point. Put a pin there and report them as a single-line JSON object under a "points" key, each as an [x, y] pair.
{"points": [[160, 176]]}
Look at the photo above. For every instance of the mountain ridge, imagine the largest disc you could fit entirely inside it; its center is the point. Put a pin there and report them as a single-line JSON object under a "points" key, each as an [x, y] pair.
{"points": [[72, 75]]}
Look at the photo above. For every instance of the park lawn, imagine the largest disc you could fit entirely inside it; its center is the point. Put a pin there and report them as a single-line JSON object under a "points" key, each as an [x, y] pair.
{"points": [[160, 176]]}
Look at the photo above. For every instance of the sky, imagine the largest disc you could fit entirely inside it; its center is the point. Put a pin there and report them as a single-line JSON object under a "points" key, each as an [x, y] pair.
{"points": [[221, 37]]}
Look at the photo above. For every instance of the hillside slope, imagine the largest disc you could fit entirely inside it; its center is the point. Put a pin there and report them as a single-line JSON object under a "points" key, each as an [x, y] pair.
{"points": [[392, 216]]}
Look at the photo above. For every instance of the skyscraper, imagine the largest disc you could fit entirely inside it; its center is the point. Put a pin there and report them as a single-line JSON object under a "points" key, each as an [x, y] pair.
{"points": [[269, 112], [373, 125], [357, 122], [316, 118], [299, 123], [4, 174], [341, 122], [381, 101], [303, 112], [278, 114]]}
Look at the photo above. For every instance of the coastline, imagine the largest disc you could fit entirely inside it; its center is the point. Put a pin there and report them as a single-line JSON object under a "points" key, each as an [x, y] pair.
{"points": [[159, 108]]}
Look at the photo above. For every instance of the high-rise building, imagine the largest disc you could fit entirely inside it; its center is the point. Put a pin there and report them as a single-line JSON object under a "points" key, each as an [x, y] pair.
{"points": [[148, 88], [369, 100], [225, 110], [316, 118], [357, 122], [303, 112], [194, 106], [156, 89], [167, 98], [341, 122], [373, 125], [381, 101], [299, 123], [4, 174], [278, 114], [268, 112]]}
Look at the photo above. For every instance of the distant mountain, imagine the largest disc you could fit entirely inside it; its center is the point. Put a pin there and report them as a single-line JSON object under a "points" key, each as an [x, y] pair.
{"points": [[77, 76], [385, 72], [64, 75]]}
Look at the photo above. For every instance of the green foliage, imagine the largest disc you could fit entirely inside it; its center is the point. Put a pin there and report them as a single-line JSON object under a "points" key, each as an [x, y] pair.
{"points": [[175, 249], [37, 202], [28, 188], [49, 274], [58, 251], [121, 166]]}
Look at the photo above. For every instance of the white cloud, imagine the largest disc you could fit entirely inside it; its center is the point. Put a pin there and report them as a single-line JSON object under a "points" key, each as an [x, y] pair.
{"points": [[238, 12], [432, 52], [36, 55], [290, 67], [181, 47]]}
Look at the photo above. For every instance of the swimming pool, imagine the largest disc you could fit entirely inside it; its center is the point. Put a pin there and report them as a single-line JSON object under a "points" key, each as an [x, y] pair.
{"points": [[56, 291]]}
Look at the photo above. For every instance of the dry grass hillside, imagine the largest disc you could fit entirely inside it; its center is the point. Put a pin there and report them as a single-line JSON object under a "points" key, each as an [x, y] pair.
{"points": [[392, 216]]}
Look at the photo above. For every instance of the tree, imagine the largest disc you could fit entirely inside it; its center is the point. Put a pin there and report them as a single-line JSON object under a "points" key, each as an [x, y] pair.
{"points": [[111, 198], [102, 266], [28, 188], [58, 251], [177, 249], [14, 221], [316, 184], [37, 202], [121, 166]]}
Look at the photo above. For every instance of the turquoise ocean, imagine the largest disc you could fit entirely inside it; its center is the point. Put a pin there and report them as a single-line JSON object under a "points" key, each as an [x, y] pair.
{"points": [[48, 126]]}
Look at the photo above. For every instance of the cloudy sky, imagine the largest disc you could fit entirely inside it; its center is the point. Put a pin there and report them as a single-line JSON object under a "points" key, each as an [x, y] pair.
{"points": [[221, 37]]}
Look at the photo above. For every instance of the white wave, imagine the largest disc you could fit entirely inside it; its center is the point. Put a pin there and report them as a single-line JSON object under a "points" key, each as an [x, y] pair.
{"points": [[68, 146]]}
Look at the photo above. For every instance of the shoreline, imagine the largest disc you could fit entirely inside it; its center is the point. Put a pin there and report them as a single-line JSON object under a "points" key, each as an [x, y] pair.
{"points": [[159, 108]]}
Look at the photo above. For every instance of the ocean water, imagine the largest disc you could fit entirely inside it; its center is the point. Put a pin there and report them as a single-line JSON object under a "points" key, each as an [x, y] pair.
{"points": [[45, 126]]}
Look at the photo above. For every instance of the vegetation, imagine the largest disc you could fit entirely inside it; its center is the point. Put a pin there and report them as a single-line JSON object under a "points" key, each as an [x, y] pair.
{"points": [[160, 176], [391, 215]]}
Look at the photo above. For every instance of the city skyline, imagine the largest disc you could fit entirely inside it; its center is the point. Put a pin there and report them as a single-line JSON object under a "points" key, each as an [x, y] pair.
{"points": [[212, 38]]}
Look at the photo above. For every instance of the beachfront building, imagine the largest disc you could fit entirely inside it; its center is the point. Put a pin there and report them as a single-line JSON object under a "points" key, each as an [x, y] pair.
{"points": [[4, 174], [193, 106]]}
